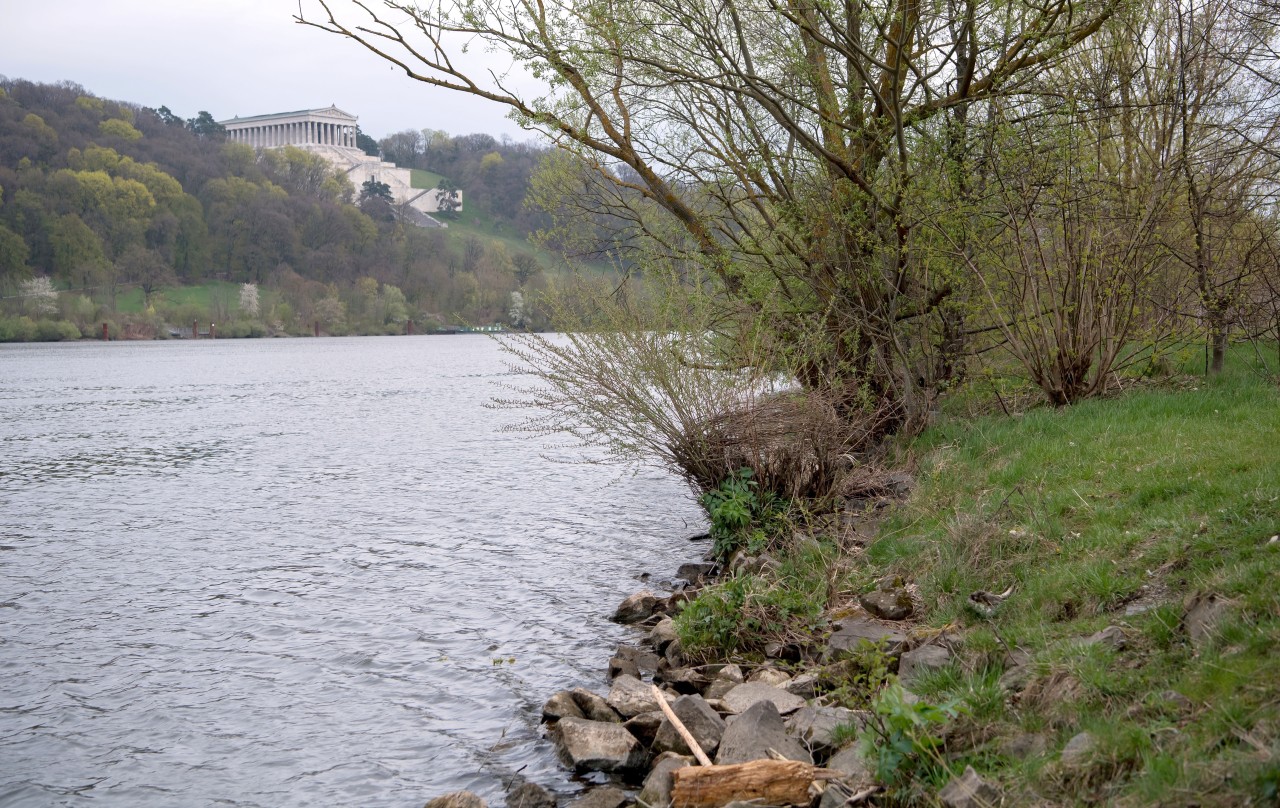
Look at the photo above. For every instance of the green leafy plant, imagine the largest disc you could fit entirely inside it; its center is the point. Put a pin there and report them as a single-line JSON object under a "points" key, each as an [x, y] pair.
{"points": [[903, 738], [717, 618], [741, 516], [861, 677]]}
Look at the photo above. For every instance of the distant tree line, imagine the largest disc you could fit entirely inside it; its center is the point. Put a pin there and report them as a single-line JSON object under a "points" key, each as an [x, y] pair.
{"points": [[101, 197]]}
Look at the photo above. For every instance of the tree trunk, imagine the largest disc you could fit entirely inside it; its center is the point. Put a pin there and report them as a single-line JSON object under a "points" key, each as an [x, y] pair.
{"points": [[1217, 342]]}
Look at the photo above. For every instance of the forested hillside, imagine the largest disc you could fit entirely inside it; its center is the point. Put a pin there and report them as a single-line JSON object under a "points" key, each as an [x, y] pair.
{"points": [[107, 210]]}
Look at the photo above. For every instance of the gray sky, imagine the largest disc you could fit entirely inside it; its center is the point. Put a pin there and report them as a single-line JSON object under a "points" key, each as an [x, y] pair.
{"points": [[230, 57]]}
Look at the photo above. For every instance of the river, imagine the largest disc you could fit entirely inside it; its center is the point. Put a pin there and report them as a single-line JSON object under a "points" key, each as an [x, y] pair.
{"points": [[297, 572]]}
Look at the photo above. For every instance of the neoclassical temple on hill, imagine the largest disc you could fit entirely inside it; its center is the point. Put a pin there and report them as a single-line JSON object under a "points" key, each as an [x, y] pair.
{"points": [[321, 127], [331, 134]]}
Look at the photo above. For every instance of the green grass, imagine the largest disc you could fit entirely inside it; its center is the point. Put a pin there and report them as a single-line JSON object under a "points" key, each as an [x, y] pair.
{"points": [[1147, 499], [423, 179], [204, 295], [1150, 497]]}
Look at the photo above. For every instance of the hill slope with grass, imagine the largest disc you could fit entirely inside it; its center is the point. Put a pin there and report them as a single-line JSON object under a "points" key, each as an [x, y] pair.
{"points": [[1101, 583]]}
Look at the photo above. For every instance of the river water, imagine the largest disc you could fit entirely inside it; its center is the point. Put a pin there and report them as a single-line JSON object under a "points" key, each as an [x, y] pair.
{"points": [[288, 572]]}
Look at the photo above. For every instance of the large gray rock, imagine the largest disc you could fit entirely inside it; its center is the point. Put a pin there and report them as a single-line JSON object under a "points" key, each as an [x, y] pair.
{"points": [[770, 676], [561, 705], [645, 726], [663, 634], [742, 697], [853, 765], [630, 697], [601, 797], [692, 571], [656, 791], [636, 608], [921, 661], [888, 604], [593, 706], [1203, 615], [530, 795], [629, 657], [1079, 749], [703, 723], [456, 799], [969, 791], [805, 685], [718, 688], [855, 636], [816, 726], [597, 746], [674, 653], [1112, 637], [619, 667], [684, 680], [752, 734]]}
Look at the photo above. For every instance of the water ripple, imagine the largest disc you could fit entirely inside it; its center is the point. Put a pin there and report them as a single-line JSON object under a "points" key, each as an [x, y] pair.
{"points": [[294, 572]]}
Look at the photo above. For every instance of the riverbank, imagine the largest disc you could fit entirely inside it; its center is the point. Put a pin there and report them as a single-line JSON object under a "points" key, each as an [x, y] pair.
{"points": [[1075, 606]]}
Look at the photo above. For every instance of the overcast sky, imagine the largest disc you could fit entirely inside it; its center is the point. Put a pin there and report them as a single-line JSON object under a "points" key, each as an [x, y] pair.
{"points": [[230, 57]]}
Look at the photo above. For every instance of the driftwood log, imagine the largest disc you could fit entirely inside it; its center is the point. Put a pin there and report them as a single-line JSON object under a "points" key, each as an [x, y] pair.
{"points": [[772, 782]]}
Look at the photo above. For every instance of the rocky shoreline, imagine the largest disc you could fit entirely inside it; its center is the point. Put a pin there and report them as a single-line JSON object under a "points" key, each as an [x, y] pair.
{"points": [[765, 726]]}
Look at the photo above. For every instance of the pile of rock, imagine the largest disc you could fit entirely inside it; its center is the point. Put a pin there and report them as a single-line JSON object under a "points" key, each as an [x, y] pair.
{"points": [[732, 718], [763, 735], [736, 717]]}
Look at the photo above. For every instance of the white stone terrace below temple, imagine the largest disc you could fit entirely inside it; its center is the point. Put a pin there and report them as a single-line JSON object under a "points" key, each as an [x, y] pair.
{"points": [[331, 134]]}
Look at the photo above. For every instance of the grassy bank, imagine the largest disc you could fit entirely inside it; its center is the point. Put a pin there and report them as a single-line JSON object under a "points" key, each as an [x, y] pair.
{"points": [[1128, 513]]}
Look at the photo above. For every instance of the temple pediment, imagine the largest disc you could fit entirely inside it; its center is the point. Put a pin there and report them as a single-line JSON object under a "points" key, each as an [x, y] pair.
{"points": [[330, 113]]}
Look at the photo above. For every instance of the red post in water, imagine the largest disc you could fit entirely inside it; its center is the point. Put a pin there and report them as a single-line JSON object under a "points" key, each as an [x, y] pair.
{"points": [[106, 335], [316, 328], [213, 331], [195, 329], [410, 328]]}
